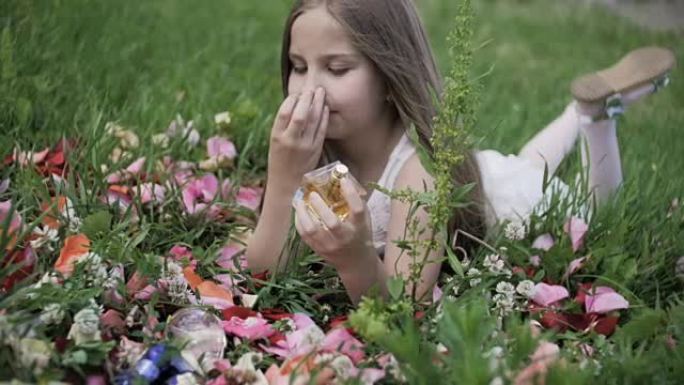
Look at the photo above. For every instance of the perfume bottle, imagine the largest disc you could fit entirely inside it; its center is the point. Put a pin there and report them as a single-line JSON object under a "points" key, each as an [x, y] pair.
{"points": [[201, 334], [326, 182]]}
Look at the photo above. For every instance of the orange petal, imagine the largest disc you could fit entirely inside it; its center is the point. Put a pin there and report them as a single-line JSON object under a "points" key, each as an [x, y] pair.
{"points": [[211, 289], [51, 219], [74, 247], [193, 279]]}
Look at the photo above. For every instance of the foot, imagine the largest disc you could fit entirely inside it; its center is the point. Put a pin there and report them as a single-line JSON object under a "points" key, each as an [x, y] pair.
{"points": [[641, 72]]}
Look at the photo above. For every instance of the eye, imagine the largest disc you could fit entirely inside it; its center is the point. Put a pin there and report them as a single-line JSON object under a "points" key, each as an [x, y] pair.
{"points": [[338, 71], [299, 70]]}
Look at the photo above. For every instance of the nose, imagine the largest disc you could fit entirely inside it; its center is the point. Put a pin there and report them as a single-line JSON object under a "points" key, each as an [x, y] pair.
{"points": [[311, 82]]}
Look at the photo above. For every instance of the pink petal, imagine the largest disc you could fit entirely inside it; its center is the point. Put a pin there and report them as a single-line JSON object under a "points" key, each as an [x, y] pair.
{"points": [[146, 293], [249, 197], [189, 197], [112, 319], [436, 294], [219, 146], [15, 222], [339, 340], [302, 321], [251, 328], [38, 157], [603, 300], [535, 260], [216, 302], [135, 167], [151, 192], [227, 257], [577, 229], [208, 185], [96, 379], [4, 185], [546, 295], [574, 265], [543, 242]]}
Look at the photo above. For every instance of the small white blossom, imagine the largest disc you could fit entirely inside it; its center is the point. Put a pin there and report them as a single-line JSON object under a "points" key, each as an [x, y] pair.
{"points": [[503, 303], [222, 119], [45, 237], [494, 263], [473, 272], [86, 326], [515, 231], [525, 288], [505, 288], [52, 314], [33, 353]]}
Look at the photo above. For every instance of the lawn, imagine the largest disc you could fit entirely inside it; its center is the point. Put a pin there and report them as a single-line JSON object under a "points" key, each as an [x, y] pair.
{"points": [[67, 68]]}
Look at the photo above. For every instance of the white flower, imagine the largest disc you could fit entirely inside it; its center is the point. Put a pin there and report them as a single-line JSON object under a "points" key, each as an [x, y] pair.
{"points": [[497, 381], [525, 288], [495, 355], [222, 119], [505, 288], [161, 140], [33, 353], [515, 231], [246, 364], [494, 263], [503, 303], [52, 314], [86, 326], [45, 237], [473, 272]]}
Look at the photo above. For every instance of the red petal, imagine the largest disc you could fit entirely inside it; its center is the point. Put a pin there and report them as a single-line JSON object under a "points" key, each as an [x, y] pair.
{"points": [[579, 321], [238, 311], [606, 325], [555, 321]]}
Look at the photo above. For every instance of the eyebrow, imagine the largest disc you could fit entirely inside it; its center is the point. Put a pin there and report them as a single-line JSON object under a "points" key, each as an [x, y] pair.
{"points": [[326, 57]]}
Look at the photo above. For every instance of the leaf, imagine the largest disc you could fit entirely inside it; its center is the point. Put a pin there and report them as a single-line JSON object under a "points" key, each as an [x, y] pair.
{"points": [[643, 326], [395, 287], [453, 260], [97, 223]]}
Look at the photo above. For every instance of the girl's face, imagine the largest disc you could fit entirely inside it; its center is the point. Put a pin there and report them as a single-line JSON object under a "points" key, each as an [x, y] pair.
{"points": [[322, 55]]}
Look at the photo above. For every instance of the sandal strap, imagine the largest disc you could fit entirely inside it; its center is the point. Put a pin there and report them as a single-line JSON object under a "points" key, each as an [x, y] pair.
{"points": [[661, 82]]}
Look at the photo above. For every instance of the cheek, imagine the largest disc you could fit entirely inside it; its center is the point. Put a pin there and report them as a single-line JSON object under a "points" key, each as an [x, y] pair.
{"points": [[293, 85], [358, 95]]}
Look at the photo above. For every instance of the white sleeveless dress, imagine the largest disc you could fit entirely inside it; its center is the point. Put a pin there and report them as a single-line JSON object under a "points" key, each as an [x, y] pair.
{"points": [[512, 188]]}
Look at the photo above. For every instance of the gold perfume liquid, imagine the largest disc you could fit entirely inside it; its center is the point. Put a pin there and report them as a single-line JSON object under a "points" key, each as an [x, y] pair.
{"points": [[328, 187]]}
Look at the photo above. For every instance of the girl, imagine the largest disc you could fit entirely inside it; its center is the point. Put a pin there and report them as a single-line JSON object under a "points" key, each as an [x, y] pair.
{"points": [[356, 74]]}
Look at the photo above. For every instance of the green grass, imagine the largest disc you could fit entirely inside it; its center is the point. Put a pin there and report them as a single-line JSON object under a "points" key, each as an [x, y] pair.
{"points": [[70, 66]]}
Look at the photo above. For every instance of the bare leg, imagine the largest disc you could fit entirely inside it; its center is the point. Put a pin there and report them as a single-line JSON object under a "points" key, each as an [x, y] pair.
{"points": [[549, 146], [601, 157]]}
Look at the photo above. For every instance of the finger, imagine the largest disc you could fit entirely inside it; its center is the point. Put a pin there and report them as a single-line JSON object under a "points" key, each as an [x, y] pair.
{"points": [[322, 129], [328, 217], [357, 208], [300, 116], [306, 223], [317, 108], [285, 112]]}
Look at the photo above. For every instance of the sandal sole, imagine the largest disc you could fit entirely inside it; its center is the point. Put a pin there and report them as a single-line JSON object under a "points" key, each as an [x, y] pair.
{"points": [[638, 67]]}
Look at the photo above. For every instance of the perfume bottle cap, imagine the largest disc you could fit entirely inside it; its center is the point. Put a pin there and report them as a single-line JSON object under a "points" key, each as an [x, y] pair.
{"points": [[340, 171]]}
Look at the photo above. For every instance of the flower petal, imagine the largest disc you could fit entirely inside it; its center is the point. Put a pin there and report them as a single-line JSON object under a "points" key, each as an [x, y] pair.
{"points": [[577, 229], [543, 242], [546, 295], [74, 247], [221, 147], [603, 300]]}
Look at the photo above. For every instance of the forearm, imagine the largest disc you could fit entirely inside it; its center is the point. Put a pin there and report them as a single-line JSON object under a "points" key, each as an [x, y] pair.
{"points": [[266, 247], [360, 277]]}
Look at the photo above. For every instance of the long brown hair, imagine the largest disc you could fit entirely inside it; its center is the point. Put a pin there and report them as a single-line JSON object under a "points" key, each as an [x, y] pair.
{"points": [[390, 34]]}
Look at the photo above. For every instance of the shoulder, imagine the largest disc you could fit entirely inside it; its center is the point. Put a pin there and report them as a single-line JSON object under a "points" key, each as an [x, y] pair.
{"points": [[413, 175]]}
